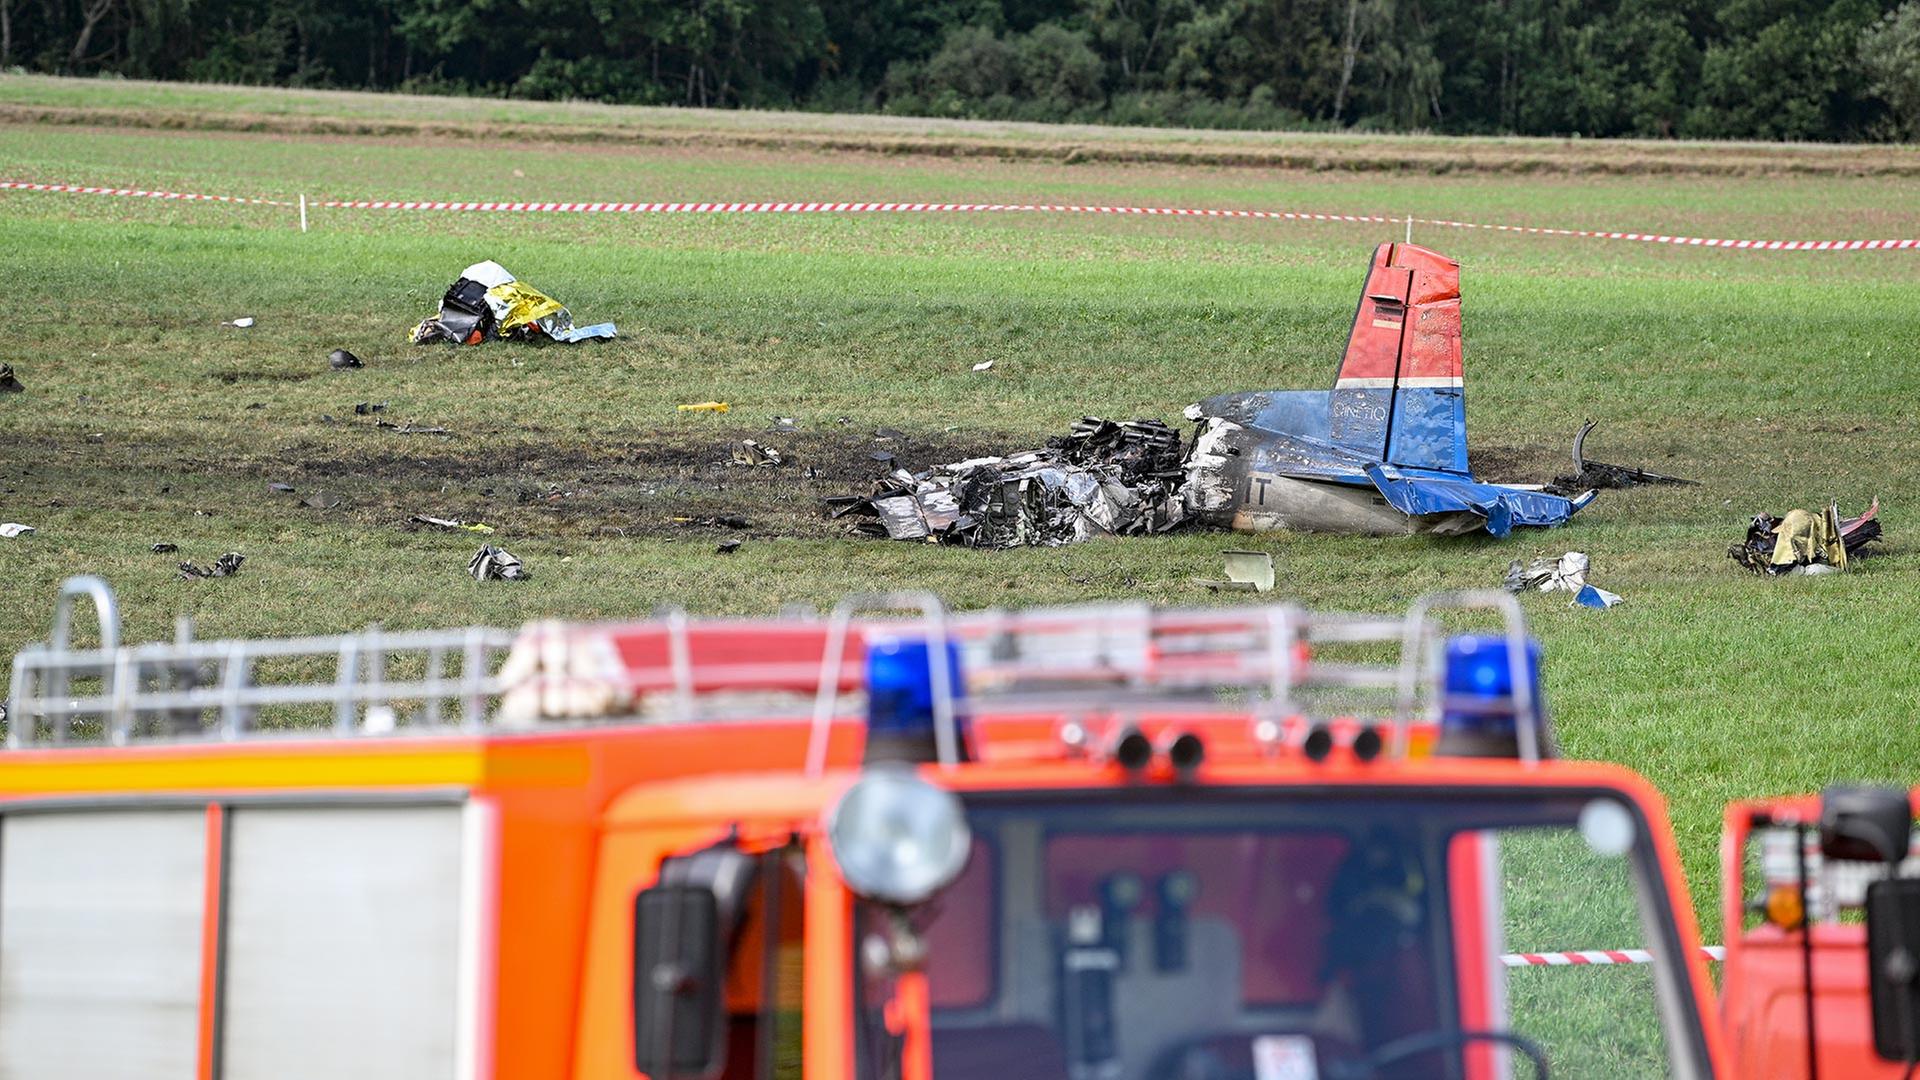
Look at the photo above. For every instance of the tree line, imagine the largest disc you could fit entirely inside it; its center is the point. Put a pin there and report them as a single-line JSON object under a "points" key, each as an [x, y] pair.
{"points": [[1757, 69]]}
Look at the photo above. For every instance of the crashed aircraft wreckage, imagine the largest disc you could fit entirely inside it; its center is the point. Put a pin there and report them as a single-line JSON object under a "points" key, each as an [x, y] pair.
{"points": [[1384, 451]]}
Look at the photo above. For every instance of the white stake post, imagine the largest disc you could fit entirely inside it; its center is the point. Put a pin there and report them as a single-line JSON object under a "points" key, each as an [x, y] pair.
{"points": [[1409, 223], [303, 213]]}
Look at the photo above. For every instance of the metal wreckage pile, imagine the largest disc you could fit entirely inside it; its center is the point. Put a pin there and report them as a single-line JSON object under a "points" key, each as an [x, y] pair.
{"points": [[1803, 542], [1105, 478]]}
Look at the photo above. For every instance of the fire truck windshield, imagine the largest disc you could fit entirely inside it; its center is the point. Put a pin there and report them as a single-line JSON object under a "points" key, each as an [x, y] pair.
{"points": [[1196, 934]]}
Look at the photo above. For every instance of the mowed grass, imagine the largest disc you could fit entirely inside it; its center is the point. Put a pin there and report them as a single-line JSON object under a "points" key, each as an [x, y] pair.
{"points": [[1778, 380]]}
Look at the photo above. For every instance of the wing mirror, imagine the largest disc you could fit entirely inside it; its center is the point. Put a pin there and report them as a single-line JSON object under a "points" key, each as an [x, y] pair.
{"points": [[678, 976], [1865, 824], [681, 930], [1893, 956]]}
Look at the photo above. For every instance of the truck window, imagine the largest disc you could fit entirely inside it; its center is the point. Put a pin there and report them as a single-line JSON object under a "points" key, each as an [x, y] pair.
{"points": [[1577, 982], [1166, 935]]}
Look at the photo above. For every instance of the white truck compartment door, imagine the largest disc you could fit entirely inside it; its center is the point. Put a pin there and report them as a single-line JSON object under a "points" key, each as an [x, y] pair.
{"points": [[343, 931], [101, 926]]}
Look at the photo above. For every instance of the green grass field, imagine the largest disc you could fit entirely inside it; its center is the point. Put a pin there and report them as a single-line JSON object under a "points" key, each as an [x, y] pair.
{"points": [[1779, 380]]}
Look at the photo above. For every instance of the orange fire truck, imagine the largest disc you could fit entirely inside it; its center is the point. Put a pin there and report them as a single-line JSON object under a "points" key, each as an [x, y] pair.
{"points": [[1099, 843]]}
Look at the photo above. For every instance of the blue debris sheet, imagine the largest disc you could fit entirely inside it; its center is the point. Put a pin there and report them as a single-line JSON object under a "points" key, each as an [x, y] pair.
{"points": [[1419, 492]]}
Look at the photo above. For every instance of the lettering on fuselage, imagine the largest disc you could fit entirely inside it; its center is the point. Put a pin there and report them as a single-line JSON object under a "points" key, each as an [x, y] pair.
{"points": [[1352, 410], [1253, 492]]}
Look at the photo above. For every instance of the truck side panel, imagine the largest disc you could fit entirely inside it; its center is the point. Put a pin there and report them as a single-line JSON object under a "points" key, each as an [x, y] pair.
{"points": [[342, 943], [100, 943]]}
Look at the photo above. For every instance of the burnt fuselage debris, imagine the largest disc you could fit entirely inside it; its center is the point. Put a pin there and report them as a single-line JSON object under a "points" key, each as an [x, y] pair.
{"points": [[1805, 542], [1105, 478], [1588, 475], [10, 383]]}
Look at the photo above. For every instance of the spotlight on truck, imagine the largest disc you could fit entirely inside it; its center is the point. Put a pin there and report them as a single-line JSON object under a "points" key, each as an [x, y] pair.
{"points": [[897, 838]]}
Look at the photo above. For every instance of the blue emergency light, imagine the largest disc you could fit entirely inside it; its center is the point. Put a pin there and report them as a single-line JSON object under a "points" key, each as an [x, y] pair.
{"points": [[900, 700], [1479, 712]]}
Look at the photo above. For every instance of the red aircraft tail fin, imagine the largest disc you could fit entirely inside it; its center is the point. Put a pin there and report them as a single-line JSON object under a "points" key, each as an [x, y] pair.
{"points": [[1398, 396]]}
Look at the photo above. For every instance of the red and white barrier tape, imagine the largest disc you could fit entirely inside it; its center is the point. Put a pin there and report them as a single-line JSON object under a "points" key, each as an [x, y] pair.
{"points": [[969, 208], [137, 193], [1596, 957]]}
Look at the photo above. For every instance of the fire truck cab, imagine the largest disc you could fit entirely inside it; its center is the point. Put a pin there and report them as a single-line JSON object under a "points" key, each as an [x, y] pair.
{"points": [[1113, 842]]}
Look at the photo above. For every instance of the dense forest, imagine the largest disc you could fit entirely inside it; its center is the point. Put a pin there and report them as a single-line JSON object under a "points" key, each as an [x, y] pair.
{"points": [[1771, 69]]}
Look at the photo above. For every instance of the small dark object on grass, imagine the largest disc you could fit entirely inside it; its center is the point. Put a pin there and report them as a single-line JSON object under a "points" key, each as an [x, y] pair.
{"points": [[341, 360], [257, 405], [164, 548], [280, 489], [728, 547], [411, 429], [225, 566], [9, 384], [368, 409], [495, 564]]}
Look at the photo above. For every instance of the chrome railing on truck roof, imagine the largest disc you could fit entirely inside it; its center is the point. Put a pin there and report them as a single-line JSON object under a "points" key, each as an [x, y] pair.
{"points": [[1259, 661]]}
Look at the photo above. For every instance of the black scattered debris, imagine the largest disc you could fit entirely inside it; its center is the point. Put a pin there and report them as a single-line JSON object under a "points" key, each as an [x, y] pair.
{"points": [[495, 564], [257, 405], [366, 408], [756, 455], [1598, 474], [225, 566], [1104, 478], [342, 360], [164, 548], [728, 546], [729, 521], [280, 489], [1803, 542]]}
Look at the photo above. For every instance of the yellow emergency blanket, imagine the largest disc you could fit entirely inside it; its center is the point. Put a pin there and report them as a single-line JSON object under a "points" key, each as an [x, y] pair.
{"points": [[517, 304], [1805, 537]]}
